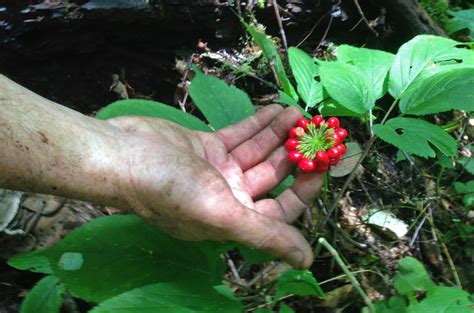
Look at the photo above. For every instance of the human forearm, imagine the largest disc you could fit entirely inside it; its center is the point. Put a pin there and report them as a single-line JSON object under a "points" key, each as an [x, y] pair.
{"points": [[48, 148]]}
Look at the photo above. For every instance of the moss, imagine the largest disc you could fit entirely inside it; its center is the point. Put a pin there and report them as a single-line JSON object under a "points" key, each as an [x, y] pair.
{"points": [[437, 9]]}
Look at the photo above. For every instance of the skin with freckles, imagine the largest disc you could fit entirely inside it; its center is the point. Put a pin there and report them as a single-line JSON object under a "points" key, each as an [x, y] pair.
{"points": [[193, 185]]}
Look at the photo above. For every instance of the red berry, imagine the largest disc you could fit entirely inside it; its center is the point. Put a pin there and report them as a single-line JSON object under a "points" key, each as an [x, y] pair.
{"points": [[341, 132], [334, 137], [295, 156], [303, 123], [292, 132], [333, 122], [334, 153], [334, 161], [306, 165], [341, 148], [321, 168], [291, 144], [317, 120], [322, 158]]}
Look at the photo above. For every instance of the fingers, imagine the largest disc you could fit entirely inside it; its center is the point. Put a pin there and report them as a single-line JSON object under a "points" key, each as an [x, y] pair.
{"points": [[274, 237], [258, 148], [235, 134], [291, 203], [265, 176]]}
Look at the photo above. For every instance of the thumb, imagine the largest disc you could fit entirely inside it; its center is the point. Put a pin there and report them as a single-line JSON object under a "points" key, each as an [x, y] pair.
{"points": [[274, 237]]}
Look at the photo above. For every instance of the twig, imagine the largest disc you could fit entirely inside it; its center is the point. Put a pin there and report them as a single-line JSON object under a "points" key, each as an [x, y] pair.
{"points": [[182, 104], [364, 18], [280, 25], [350, 276], [260, 274], [325, 33]]}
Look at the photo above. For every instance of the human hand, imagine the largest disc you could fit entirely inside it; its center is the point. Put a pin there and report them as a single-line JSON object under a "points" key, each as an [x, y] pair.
{"points": [[196, 185]]}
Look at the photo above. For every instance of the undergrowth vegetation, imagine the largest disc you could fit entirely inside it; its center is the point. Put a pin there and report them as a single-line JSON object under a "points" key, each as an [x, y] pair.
{"points": [[409, 127]]}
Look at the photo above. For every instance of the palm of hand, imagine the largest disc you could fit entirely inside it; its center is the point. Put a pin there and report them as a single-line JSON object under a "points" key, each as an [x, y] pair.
{"points": [[211, 184]]}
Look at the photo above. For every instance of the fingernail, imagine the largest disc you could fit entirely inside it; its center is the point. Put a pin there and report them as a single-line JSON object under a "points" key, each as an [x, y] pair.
{"points": [[296, 258]]}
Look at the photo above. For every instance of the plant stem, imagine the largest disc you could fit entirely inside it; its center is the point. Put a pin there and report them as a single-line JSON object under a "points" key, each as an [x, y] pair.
{"points": [[349, 274]]}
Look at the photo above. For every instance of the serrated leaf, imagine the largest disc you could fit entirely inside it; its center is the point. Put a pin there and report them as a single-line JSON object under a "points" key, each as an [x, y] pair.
{"points": [[304, 70], [270, 52], [439, 89], [45, 297], [176, 297], [221, 104], [416, 55], [468, 164], [32, 261], [375, 64], [348, 160], [414, 137], [138, 107], [468, 191], [348, 86], [121, 253], [297, 282], [442, 299], [413, 277], [461, 20]]}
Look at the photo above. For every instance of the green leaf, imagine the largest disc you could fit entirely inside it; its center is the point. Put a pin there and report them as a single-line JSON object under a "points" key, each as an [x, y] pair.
{"points": [[417, 55], [286, 99], [413, 136], [375, 65], [413, 277], [297, 282], [468, 191], [468, 164], [221, 104], [442, 299], [285, 184], [348, 86], [395, 304], [439, 89], [285, 309], [137, 107], [461, 20], [71, 261], [304, 70], [263, 311], [45, 297], [31, 261], [332, 108], [253, 255], [121, 253], [176, 297], [272, 55]]}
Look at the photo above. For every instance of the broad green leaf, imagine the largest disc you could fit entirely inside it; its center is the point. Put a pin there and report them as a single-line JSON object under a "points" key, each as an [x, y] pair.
{"points": [[297, 282], [332, 108], [417, 55], [348, 86], [439, 89], [468, 191], [375, 65], [304, 70], [413, 136], [285, 309], [412, 277], [394, 304], [176, 297], [442, 299], [468, 164], [272, 55], [45, 297], [121, 253], [221, 104], [461, 20], [263, 311], [31, 261], [71, 261], [286, 99], [138, 107]]}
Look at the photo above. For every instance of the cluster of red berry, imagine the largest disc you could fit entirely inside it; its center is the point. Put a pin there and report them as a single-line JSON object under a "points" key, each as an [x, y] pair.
{"points": [[316, 144]]}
